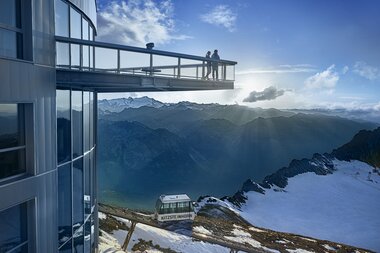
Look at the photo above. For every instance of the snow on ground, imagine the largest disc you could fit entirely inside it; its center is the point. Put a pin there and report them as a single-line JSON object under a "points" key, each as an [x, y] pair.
{"points": [[101, 216], [341, 207], [215, 201], [299, 251], [256, 230], [166, 239], [328, 247], [201, 230], [108, 244]]}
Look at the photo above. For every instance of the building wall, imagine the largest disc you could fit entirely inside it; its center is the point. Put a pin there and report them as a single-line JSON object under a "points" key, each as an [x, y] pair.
{"points": [[29, 79], [32, 81]]}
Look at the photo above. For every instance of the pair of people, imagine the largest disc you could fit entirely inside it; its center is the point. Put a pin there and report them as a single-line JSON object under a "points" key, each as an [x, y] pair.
{"points": [[213, 65]]}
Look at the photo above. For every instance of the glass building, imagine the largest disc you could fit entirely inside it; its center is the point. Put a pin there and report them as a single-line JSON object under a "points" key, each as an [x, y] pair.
{"points": [[49, 81]]}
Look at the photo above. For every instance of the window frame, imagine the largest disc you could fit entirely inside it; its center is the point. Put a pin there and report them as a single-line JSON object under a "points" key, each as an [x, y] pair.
{"points": [[30, 216], [24, 48], [25, 114]]}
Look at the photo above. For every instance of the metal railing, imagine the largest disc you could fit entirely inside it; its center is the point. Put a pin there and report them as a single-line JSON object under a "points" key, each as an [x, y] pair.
{"points": [[84, 55]]}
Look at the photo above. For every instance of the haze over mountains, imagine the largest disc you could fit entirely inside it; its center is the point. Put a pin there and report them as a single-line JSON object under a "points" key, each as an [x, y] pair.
{"points": [[148, 148]]}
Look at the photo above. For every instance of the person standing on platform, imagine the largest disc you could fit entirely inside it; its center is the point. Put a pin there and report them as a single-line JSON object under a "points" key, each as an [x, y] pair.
{"points": [[215, 72], [208, 55]]}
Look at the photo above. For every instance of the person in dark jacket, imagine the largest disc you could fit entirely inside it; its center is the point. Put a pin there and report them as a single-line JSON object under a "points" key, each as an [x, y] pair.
{"points": [[208, 55], [215, 71]]}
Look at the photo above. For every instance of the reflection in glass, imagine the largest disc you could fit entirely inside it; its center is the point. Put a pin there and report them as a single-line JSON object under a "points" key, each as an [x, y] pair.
{"points": [[10, 12], [10, 132], [91, 35], [85, 34], [8, 43], [78, 241], [75, 24], [12, 163], [64, 203], [87, 186], [77, 111], [13, 224], [85, 56], [63, 126], [67, 248], [78, 193], [75, 56], [91, 57], [91, 130], [61, 18], [62, 54], [86, 120], [87, 235]]}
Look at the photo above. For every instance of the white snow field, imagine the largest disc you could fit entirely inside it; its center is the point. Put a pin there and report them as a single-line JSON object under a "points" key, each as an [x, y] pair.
{"points": [[341, 207], [165, 239]]}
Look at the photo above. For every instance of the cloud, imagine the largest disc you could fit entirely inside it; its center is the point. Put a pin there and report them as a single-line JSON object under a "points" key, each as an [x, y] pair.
{"points": [[137, 22], [325, 79], [269, 93], [363, 69], [221, 15], [345, 69], [281, 69]]}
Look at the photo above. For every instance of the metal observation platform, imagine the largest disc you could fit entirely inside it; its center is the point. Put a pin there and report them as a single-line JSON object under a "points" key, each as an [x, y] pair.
{"points": [[106, 67]]}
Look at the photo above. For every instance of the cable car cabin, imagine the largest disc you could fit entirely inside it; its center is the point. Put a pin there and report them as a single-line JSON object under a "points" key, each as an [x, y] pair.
{"points": [[174, 208]]}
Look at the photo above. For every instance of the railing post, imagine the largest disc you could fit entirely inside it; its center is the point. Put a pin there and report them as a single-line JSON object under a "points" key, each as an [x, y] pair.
{"points": [[151, 64], [179, 68], [118, 61], [224, 71], [80, 57], [197, 72], [203, 69], [93, 58]]}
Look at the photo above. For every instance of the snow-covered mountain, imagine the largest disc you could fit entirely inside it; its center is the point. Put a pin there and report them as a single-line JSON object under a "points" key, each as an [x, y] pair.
{"points": [[342, 206], [322, 197], [119, 104]]}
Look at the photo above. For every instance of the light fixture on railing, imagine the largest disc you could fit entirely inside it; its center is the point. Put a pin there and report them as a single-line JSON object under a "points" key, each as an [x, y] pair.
{"points": [[150, 45]]}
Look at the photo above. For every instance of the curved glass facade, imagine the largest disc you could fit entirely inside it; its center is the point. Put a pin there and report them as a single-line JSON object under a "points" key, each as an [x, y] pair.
{"points": [[76, 170]]}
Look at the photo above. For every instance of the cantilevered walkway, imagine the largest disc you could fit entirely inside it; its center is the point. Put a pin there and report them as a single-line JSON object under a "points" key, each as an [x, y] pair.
{"points": [[106, 67]]}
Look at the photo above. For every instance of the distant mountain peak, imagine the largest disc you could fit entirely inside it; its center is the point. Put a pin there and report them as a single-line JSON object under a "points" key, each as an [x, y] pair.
{"points": [[119, 104]]}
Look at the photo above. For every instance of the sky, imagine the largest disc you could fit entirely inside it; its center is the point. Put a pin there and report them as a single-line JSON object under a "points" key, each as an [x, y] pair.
{"points": [[291, 54]]}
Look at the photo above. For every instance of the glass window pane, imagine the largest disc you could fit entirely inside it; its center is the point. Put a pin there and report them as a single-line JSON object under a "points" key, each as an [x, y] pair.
{"points": [[10, 12], [63, 54], [11, 126], [78, 194], [64, 203], [91, 134], [8, 43], [87, 186], [67, 248], [87, 235], [93, 178], [63, 126], [85, 34], [77, 114], [75, 24], [85, 56], [91, 57], [86, 120], [78, 241], [12, 163], [75, 56], [91, 35], [61, 18], [13, 224]]}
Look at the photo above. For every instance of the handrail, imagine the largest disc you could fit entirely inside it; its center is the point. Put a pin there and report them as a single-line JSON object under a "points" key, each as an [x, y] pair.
{"points": [[139, 50], [86, 61]]}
